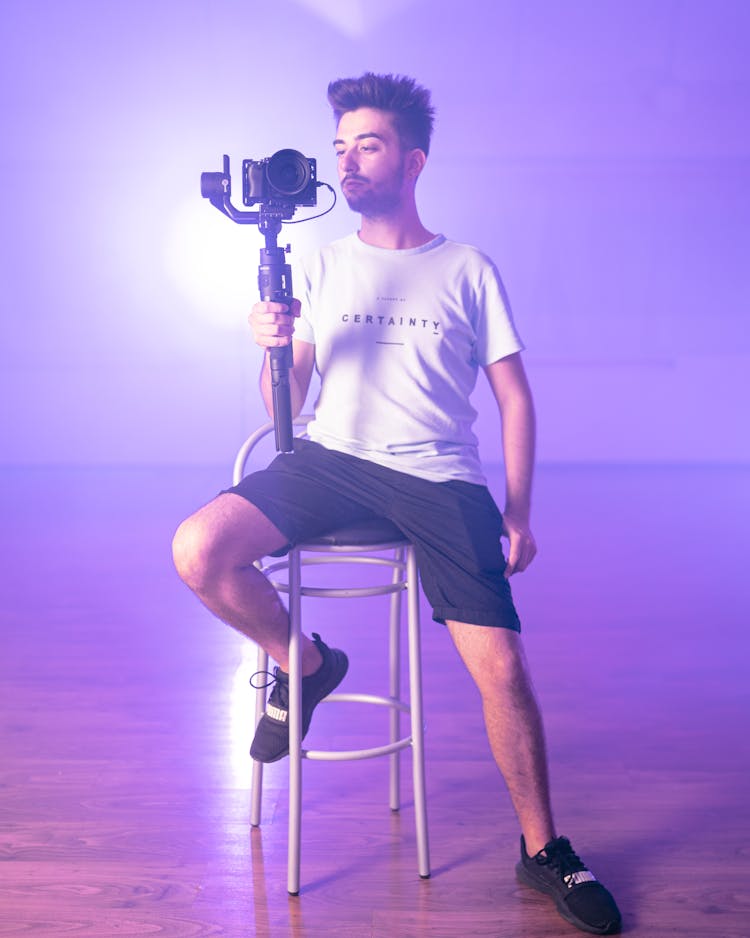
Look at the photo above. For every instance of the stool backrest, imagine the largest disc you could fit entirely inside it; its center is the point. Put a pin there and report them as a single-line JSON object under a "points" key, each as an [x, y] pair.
{"points": [[252, 443]]}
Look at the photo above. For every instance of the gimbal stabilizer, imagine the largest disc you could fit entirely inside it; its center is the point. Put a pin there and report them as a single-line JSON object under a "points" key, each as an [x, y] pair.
{"points": [[279, 183]]}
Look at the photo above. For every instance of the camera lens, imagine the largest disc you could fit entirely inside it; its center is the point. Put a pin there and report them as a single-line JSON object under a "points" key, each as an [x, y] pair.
{"points": [[288, 172]]}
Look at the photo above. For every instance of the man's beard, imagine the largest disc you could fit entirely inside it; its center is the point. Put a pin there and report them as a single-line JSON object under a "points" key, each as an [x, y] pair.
{"points": [[374, 203]]}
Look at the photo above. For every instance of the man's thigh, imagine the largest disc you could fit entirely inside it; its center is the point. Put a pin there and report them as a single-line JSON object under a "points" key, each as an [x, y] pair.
{"points": [[456, 528], [227, 531], [307, 493]]}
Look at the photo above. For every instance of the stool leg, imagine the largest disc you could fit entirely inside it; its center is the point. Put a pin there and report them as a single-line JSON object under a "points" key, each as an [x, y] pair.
{"points": [[417, 720], [256, 787], [394, 664], [295, 724]]}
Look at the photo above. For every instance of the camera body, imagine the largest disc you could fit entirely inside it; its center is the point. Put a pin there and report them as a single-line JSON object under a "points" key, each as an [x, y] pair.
{"points": [[286, 179]]}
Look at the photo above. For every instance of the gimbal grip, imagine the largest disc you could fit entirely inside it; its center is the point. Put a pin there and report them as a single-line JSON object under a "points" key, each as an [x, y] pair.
{"points": [[282, 399], [275, 283]]}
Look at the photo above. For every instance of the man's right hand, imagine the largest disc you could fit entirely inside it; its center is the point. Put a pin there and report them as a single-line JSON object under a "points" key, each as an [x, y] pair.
{"points": [[273, 323]]}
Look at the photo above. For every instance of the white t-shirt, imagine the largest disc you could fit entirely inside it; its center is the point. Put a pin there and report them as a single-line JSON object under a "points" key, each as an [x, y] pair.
{"points": [[399, 337]]}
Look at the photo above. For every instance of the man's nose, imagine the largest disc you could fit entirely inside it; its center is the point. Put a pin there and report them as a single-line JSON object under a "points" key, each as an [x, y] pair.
{"points": [[347, 162]]}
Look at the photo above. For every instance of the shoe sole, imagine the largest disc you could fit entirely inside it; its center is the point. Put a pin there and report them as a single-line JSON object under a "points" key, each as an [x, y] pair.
{"points": [[523, 876]]}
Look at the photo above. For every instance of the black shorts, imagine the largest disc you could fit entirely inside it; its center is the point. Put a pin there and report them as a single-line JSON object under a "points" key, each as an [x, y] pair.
{"points": [[454, 526]]}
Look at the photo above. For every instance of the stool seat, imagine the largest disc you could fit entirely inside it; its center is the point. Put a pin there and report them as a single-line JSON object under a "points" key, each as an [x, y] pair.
{"points": [[369, 533]]}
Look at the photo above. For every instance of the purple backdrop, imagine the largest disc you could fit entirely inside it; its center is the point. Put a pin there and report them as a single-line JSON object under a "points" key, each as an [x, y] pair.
{"points": [[599, 152]]}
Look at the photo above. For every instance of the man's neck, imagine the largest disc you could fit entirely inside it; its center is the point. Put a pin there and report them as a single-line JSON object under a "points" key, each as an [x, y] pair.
{"points": [[396, 233]]}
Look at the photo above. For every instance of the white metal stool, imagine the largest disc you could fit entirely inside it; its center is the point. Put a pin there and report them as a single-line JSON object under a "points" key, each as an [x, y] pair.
{"points": [[361, 544]]}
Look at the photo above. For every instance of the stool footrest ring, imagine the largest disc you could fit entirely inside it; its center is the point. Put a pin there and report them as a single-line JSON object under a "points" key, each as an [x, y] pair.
{"points": [[377, 699], [351, 755]]}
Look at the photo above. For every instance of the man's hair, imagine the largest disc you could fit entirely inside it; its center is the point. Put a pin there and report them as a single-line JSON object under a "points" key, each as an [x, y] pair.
{"points": [[401, 97]]}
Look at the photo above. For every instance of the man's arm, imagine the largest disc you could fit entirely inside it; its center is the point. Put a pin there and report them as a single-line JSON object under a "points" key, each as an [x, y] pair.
{"points": [[273, 327], [513, 395]]}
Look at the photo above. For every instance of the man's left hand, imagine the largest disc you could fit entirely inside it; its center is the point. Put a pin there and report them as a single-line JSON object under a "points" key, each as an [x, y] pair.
{"points": [[522, 548]]}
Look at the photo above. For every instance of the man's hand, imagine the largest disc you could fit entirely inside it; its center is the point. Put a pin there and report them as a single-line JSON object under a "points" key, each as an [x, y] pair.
{"points": [[273, 323], [522, 549]]}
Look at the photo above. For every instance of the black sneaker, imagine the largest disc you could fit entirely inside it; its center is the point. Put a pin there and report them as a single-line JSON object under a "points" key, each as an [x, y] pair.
{"points": [[271, 741], [557, 871]]}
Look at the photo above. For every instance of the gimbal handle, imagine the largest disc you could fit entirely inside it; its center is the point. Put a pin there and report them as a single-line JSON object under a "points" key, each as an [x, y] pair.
{"points": [[275, 284]]}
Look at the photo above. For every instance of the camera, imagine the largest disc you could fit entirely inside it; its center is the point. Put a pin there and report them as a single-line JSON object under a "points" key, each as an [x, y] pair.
{"points": [[287, 177]]}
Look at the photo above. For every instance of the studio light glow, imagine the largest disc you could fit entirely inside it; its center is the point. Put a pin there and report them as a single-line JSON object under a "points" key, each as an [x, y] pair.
{"points": [[213, 263]]}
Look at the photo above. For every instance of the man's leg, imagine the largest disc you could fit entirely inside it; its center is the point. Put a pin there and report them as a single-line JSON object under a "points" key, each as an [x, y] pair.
{"points": [[214, 551], [495, 659]]}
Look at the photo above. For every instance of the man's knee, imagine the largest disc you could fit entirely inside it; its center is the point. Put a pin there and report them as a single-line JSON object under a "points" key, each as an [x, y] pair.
{"points": [[226, 534], [191, 552], [493, 656]]}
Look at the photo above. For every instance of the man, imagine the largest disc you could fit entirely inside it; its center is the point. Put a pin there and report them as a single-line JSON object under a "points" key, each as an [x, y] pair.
{"points": [[398, 320]]}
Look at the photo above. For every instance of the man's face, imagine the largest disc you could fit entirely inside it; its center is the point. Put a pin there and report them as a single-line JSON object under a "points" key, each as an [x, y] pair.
{"points": [[370, 162]]}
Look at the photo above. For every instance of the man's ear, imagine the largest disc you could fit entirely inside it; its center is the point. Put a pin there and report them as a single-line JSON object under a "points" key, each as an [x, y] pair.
{"points": [[415, 162]]}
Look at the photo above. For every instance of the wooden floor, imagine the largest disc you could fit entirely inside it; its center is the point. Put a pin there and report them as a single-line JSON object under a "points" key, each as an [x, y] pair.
{"points": [[126, 720]]}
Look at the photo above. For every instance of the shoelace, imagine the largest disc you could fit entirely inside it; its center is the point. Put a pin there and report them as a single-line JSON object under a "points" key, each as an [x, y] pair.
{"points": [[279, 696], [559, 854]]}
